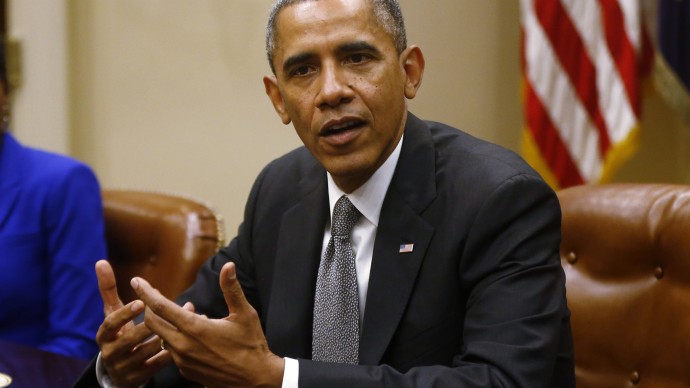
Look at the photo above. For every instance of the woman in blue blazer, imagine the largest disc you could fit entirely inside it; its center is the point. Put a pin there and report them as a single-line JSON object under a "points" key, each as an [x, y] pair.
{"points": [[51, 235]]}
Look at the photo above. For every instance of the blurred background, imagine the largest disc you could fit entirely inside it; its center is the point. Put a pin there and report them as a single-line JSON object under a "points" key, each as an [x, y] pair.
{"points": [[167, 95]]}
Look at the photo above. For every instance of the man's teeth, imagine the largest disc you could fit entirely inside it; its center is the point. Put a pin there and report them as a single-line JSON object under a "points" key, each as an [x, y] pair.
{"points": [[338, 127]]}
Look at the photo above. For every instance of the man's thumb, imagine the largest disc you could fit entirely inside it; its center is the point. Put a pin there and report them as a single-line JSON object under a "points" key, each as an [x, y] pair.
{"points": [[232, 291]]}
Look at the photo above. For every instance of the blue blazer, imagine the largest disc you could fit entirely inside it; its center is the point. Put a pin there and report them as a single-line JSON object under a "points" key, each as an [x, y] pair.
{"points": [[51, 235]]}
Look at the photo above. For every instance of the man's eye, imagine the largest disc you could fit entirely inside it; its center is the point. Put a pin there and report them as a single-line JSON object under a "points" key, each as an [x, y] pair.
{"points": [[300, 71], [357, 58]]}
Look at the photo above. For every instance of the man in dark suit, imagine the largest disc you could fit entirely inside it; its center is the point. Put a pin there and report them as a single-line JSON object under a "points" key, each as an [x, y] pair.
{"points": [[456, 250]]}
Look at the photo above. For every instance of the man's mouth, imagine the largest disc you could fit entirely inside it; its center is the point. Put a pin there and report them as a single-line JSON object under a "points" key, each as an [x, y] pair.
{"points": [[340, 133], [341, 127]]}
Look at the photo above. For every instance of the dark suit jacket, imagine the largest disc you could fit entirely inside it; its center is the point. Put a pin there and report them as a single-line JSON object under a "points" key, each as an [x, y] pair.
{"points": [[480, 301]]}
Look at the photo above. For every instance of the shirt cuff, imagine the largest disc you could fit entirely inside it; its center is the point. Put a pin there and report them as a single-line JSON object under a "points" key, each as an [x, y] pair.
{"points": [[291, 373], [102, 374]]}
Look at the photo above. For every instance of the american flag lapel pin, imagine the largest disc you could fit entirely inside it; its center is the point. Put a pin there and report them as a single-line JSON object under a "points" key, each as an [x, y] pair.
{"points": [[406, 248]]}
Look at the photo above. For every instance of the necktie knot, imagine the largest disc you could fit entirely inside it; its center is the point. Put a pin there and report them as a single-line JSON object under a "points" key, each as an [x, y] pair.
{"points": [[345, 216]]}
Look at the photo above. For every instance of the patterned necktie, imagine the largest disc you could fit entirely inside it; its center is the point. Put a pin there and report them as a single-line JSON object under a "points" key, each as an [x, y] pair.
{"points": [[336, 304]]}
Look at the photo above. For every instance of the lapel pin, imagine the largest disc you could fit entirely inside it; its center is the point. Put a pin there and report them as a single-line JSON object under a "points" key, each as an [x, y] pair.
{"points": [[406, 248]]}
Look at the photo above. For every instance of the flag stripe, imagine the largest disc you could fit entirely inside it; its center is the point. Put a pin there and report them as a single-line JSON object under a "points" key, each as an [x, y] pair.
{"points": [[581, 85], [540, 128], [546, 136], [618, 114], [570, 50], [545, 75], [621, 49]]}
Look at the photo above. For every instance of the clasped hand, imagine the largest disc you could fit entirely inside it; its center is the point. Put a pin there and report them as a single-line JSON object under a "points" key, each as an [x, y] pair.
{"points": [[214, 352]]}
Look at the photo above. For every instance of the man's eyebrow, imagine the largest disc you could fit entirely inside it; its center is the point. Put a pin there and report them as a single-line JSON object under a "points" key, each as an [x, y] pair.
{"points": [[359, 46], [295, 59]]}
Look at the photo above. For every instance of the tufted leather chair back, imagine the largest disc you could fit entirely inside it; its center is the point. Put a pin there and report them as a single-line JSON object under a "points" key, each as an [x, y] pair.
{"points": [[163, 238], [626, 255]]}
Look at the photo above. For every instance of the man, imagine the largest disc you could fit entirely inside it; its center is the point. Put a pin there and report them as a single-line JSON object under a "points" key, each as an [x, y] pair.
{"points": [[458, 280]]}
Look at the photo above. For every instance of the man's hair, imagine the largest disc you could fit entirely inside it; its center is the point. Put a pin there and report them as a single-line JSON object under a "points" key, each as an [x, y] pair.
{"points": [[387, 13]]}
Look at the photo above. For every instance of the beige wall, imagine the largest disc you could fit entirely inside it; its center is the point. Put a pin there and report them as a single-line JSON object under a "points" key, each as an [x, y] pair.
{"points": [[40, 113], [167, 94]]}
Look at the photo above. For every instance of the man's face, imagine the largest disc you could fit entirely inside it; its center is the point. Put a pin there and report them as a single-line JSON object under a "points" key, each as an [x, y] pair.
{"points": [[341, 82]]}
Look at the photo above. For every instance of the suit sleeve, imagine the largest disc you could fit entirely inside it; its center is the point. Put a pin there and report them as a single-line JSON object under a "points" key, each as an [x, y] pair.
{"points": [[515, 315], [205, 293]]}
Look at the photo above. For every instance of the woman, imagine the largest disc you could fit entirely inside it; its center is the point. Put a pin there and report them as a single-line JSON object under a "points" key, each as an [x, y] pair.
{"points": [[51, 235]]}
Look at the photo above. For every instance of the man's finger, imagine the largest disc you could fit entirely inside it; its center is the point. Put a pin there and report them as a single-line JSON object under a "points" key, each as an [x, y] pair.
{"points": [[116, 320], [164, 329], [160, 305], [132, 345], [160, 326], [107, 287], [232, 290], [189, 306], [140, 363]]}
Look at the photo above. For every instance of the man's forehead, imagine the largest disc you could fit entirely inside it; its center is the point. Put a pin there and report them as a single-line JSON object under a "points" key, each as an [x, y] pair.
{"points": [[323, 18], [325, 10]]}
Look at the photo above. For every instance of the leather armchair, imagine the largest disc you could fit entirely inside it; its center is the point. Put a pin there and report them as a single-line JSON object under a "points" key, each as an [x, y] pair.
{"points": [[163, 238], [626, 255]]}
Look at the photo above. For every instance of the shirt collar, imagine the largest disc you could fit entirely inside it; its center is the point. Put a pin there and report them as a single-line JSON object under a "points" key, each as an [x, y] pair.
{"points": [[368, 198]]}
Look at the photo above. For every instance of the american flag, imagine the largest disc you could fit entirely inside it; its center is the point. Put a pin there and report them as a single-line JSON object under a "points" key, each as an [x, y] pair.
{"points": [[406, 248], [582, 63]]}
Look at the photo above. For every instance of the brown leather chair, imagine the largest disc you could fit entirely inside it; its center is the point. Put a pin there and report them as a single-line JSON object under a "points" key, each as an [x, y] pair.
{"points": [[163, 238], [626, 255]]}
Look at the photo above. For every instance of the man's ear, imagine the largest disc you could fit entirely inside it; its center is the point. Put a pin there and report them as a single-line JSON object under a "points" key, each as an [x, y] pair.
{"points": [[413, 63], [273, 93]]}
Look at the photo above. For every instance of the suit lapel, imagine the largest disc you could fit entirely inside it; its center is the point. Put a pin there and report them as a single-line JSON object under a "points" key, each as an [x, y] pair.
{"points": [[289, 323], [393, 273], [393, 276]]}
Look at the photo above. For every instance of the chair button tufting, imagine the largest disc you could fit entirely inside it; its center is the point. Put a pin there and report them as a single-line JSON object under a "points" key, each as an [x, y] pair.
{"points": [[572, 258], [635, 377], [659, 272]]}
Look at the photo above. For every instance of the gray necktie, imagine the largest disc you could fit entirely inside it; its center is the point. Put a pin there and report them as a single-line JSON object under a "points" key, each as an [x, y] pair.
{"points": [[336, 304]]}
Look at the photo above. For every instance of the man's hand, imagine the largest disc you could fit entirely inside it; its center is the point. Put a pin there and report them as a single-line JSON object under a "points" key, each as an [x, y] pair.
{"points": [[128, 352], [215, 352]]}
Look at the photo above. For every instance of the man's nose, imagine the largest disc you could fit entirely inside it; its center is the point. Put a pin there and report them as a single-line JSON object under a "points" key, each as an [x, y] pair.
{"points": [[335, 87]]}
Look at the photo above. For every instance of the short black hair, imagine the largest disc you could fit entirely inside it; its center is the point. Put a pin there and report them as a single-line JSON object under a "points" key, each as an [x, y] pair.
{"points": [[387, 13]]}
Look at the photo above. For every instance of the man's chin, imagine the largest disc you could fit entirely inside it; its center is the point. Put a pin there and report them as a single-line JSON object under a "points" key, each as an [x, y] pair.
{"points": [[349, 175]]}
